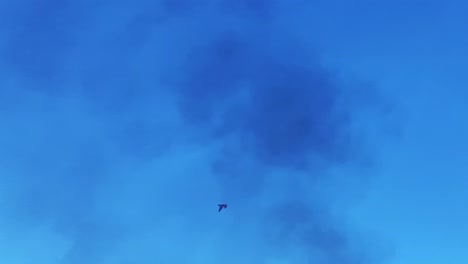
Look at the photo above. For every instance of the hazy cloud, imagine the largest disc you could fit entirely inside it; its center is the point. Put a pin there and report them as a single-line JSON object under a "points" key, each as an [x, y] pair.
{"points": [[129, 126]]}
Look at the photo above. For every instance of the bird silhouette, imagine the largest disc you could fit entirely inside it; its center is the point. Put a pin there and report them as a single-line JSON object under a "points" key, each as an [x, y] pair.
{"points": [[221, 207]]}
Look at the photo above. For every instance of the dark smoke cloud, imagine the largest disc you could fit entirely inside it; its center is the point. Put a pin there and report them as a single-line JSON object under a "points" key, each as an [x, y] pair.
{"points": [[222, 76], [288, 113]]}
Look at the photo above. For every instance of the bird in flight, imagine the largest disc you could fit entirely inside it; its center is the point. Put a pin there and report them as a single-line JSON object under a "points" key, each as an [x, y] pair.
{"points": [[221, 207]]}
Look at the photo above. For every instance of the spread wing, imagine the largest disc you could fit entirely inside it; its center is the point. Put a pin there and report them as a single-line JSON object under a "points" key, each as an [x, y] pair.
{"points": [[221, 207]]}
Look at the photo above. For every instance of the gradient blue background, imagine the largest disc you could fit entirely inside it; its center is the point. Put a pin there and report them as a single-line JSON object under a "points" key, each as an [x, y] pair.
{"points": [[335, 130]]}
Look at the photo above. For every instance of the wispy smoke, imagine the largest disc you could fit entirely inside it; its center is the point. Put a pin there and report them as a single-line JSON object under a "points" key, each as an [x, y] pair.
{"points": [[130, 122]]}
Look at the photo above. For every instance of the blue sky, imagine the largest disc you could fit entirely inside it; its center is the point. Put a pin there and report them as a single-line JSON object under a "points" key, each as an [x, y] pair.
{"points": [[334, 130]]}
